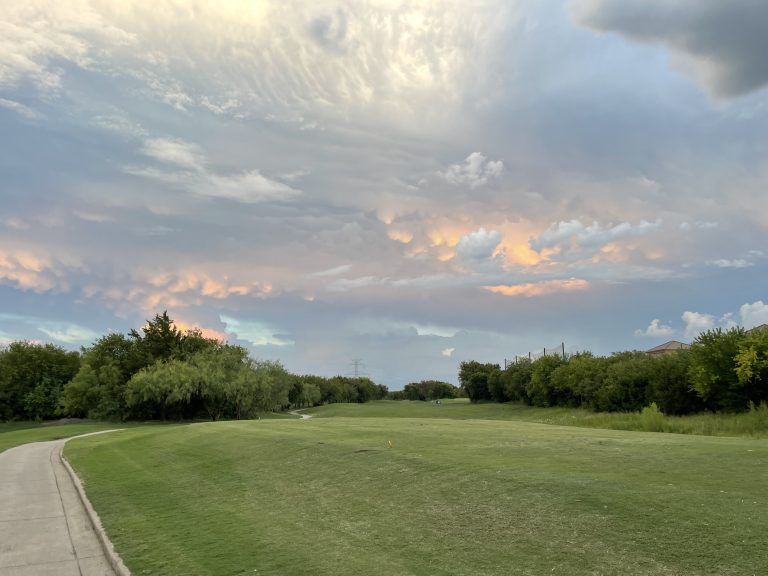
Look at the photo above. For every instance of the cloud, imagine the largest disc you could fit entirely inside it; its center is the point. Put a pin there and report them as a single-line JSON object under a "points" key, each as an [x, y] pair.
{"points": [[746, 262], [754, 314], [36, 270], [20, 109], [257, 333], [720, 44], [530, 289], [563, 234], [400, 62], [696, 322], [184, 166], [61, 331], [175, 152], [120, 125], [435, 330], [475, 171], [737, 263], [67, 332], [448, 352], [656, 330], [478, 245], [335, 271], [347, 284]]}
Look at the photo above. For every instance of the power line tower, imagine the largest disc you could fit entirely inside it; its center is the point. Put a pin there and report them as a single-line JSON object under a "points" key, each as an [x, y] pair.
{"points": [[357, 364]]}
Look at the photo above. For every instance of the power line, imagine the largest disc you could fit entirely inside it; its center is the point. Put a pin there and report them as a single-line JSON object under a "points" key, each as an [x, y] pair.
{"points": [[357, 364]]}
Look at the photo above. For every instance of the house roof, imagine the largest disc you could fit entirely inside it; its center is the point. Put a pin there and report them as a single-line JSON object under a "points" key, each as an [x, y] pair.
{"points": [[671, 345], [757, 329]]}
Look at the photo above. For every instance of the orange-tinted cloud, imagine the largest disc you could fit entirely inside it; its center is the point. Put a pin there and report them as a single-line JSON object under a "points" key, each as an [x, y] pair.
{"points": [[206, 332], [539, 288]]}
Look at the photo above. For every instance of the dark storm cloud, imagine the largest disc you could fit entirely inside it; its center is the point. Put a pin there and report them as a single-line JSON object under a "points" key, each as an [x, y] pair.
{"points": [[722, 44]]}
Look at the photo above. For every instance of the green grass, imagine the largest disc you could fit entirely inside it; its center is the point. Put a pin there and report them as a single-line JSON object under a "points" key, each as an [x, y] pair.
{"points": [[17, 433], [752, 424], [329, 497]]}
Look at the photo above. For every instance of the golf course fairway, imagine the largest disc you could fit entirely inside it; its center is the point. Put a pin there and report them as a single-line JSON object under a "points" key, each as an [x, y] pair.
{"points": [[428, 496]]}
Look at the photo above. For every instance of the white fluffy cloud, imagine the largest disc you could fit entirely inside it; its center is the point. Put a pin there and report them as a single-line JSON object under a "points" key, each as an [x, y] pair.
{"points": [[754, 314], [448, 352], [696, 322], [563, 234], [656, 329], [475, 171], [750, 315], [478, 245]]}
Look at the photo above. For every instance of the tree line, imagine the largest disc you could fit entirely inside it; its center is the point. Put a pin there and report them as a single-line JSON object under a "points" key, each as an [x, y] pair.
{"points": [[724, 370], [426, 390], [159, 373]]}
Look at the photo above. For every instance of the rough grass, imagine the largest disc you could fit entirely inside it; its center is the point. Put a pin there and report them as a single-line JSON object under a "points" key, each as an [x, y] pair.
{"points": [[17, 433], [751, 424], [328, 496]]}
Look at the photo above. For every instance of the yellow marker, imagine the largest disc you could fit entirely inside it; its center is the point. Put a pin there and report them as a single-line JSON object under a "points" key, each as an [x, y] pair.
{"points": [[390, 443]]}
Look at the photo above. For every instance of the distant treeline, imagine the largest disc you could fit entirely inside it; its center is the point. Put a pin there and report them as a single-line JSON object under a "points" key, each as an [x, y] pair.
{"points": [[723, 371], [427, 390], [159, 372]]}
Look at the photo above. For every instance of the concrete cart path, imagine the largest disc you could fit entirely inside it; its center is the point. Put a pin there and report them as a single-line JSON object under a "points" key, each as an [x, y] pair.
{"points": [[303, 416], [44, 527]]}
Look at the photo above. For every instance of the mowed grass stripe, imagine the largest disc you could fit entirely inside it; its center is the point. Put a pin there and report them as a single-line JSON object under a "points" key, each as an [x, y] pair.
{"points": [[329, 496]]}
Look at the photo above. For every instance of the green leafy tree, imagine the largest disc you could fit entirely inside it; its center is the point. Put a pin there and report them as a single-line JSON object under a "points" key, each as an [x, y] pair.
{"points": [[517, 381], [752, 366], [713, 369], [159, 339], [162, 387], [429, 390], [32, 377], [98, 388], [580, 379], [473, 378], [669, 386], [541, 389], [627, 378]]}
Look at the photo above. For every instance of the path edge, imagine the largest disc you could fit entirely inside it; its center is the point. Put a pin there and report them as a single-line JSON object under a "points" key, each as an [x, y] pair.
{"points": [[106, 544]]}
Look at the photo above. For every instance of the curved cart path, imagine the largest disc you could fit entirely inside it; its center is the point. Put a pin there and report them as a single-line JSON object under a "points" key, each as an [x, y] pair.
{"points": [[303, 416], [44, 526]]}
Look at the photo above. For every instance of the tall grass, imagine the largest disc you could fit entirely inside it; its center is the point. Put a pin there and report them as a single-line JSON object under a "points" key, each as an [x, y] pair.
{"points": [[753, 423]]}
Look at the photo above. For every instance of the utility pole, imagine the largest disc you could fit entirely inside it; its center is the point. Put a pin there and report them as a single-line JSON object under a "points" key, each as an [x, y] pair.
{"points": [[356, 364]]}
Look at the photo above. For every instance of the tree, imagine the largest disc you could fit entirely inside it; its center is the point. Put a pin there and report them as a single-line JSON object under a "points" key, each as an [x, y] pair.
{"points": [[580, 379], [670, 387], [540, 389], [161, 386], [625, 387], [98, 388], [517, 380], [752, 366], [429, 390], [713, 369], [159, 340], [32, 377], [473, 378]]}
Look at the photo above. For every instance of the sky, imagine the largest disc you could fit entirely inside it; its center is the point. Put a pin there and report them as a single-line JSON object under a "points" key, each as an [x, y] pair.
{"points": [[409, 184]]}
